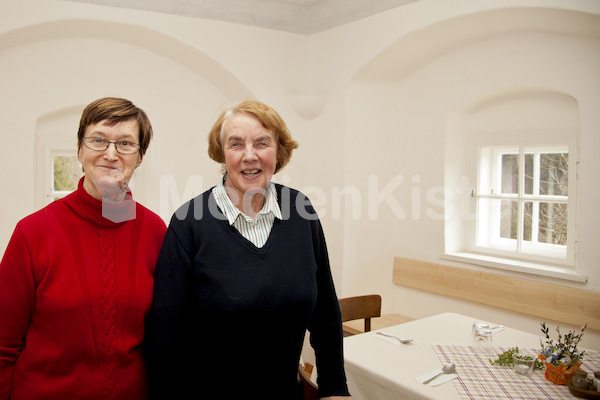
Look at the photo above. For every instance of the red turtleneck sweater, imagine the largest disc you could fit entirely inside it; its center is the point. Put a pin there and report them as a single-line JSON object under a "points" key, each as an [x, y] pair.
{"points": [[74, 290]]}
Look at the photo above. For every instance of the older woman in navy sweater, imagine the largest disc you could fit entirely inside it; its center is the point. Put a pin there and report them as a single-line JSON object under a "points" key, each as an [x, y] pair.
{"points": [[243, 272]]}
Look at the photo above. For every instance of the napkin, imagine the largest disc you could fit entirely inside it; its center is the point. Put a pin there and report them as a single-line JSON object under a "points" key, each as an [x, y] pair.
{"points": [[437, 381]]}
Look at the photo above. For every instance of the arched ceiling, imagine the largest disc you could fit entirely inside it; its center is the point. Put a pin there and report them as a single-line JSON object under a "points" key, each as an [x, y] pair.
{"points": [[418, 48], [145, 38]]}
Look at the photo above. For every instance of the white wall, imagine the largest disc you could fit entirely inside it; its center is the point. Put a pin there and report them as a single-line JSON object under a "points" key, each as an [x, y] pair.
{"points": [[397, 124], [389, 82]]}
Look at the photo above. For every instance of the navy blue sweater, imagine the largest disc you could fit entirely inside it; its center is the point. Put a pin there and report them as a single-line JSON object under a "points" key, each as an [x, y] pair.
{"points": [[231, 317]]}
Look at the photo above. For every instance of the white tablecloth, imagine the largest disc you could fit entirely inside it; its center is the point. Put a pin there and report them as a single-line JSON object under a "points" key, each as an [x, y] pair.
{"points": [[380, 370]]}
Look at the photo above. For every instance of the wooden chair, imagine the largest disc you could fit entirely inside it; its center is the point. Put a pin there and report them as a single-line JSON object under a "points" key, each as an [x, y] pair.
{"points": [[360, 307], [310, 389], [352, 308]]}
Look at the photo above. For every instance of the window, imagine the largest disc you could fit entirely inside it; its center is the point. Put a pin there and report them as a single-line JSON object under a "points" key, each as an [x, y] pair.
{"points": [[511, 163], [57, 169], [66, 172], [523, 202]]}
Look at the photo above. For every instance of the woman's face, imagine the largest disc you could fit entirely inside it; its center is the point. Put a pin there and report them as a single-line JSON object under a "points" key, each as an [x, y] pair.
{"points": [[107, 173], [250, 152]]}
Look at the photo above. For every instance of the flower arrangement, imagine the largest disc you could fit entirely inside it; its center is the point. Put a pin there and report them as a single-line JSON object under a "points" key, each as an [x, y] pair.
{"points": [[561, 357]]}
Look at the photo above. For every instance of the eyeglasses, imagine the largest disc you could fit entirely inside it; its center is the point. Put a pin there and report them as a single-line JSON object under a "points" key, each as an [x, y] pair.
{"points": [[101, 144]]}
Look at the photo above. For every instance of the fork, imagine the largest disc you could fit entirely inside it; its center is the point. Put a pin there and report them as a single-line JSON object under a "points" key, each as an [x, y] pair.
{"points": [[403, 341]]}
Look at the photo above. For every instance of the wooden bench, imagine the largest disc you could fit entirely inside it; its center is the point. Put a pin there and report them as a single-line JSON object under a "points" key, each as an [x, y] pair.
{"points": [[547, 301]]}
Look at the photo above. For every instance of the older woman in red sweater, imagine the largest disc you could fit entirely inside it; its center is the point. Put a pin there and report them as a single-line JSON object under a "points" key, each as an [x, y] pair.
{"points": [[76, 278]]}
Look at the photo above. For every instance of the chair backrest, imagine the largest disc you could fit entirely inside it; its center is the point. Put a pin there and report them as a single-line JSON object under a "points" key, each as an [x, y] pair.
{"points": [[310, 389], [359, 307]]}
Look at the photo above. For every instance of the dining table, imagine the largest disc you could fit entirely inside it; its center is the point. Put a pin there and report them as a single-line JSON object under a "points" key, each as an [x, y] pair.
{"points": [[381, 368]]}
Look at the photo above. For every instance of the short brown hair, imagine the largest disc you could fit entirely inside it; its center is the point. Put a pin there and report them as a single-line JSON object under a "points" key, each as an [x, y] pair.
{"points": [[115, 110], [270, 120]]}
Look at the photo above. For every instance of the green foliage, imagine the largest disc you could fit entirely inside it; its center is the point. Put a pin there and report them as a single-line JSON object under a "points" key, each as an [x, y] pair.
{"points": [[506, 359]]}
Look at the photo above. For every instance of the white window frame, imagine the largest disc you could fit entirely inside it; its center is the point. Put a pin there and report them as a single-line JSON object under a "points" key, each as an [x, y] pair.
{"points": [[47, 148], [53, 195], [487, 237]]}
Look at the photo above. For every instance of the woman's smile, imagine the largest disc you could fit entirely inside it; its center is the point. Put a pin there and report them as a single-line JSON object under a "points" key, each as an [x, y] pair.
{"points": [[250, 159]]}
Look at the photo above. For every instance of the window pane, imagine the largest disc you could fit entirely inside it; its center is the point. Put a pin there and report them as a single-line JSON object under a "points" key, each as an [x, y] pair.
{"points": [[527, 221], [509, 219], [553, 223], [510, 173], [67, 171], [554, 174], [528, 183]]}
